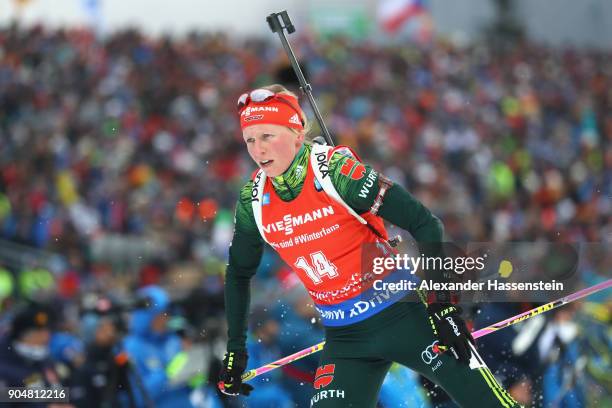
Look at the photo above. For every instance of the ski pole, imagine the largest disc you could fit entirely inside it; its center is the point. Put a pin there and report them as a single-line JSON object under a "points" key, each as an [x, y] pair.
{"points": [[278, 22], [249, 375], [541, 309]]}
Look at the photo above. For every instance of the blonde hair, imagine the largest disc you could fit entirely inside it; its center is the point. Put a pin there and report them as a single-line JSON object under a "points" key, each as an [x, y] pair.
{"points": [[280, 89]]}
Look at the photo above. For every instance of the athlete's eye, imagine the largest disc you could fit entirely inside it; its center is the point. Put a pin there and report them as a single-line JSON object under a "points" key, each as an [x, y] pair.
{"points": [[250, 140]]}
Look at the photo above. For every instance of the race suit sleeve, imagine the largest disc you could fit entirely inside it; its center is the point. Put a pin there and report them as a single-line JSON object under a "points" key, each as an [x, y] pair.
{"points": [[358, 184], [244, 256]]}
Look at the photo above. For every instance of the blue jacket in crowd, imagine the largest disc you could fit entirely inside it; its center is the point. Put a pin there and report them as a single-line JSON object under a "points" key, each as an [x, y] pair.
{"points": [[150, 353]]}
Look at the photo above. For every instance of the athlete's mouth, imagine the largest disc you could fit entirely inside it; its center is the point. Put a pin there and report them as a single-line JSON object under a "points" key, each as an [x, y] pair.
{"points": [[265, 163]]}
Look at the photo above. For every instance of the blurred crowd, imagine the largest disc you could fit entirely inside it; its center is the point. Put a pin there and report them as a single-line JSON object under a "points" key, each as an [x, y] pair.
{"points": [[121, 160]]}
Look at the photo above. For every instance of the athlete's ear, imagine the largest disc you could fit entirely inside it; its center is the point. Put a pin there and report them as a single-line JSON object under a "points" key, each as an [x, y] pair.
{"points": [[300, 138]]}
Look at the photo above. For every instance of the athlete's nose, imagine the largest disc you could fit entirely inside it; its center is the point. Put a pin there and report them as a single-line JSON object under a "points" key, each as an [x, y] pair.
{"points": [[259, 148]]}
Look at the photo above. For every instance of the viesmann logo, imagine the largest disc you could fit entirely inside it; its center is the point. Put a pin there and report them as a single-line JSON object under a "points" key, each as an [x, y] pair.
{"points": [[255, 109], [290, 221]]}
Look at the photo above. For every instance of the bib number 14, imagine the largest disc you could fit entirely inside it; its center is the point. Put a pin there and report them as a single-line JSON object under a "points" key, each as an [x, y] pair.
{"points": [[318, 267]]}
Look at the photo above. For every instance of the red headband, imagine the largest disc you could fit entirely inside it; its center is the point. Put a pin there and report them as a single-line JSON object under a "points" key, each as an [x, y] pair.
{"points": [[278, 110]]}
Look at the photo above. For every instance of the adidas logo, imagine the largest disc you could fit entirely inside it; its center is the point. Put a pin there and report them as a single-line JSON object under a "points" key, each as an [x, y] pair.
{"points": [[295, 119]]}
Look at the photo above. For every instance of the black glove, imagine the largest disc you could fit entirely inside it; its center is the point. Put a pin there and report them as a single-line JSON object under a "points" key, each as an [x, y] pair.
{"points": [[450, 329], [230, 377]]}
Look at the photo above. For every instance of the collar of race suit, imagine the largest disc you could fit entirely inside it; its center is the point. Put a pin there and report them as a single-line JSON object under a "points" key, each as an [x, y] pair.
{"points": [[289, 184]]}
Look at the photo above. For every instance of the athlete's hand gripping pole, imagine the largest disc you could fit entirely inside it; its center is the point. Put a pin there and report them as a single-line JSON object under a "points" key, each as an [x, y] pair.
{"points": [[278, 22], [249, 375], [450, 329], [230, 380]]}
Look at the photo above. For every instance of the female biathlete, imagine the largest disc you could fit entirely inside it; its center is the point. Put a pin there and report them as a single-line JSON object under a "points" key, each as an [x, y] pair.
{"points": [[319, 207]]}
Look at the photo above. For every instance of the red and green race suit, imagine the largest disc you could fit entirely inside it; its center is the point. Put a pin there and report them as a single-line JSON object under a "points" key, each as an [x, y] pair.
{"points": [[329, 246], [322, 241], [316, 236]]}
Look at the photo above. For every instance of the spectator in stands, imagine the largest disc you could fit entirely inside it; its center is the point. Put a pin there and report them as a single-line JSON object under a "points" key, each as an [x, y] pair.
{"points": [[24, 353], [151, 348]]}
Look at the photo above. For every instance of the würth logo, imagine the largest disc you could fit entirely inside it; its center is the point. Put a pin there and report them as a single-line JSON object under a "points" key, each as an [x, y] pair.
{"points": [[324, 376]]}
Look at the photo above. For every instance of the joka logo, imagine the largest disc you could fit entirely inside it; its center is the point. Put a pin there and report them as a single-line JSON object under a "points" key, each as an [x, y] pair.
{"points": [[322, 164], [317, 185], [255, 191], [429, 355], [324, 376], [266, 199]]}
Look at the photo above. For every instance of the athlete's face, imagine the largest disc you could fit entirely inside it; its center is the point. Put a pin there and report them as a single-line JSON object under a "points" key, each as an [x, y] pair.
{"points": [[273, 147]]}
